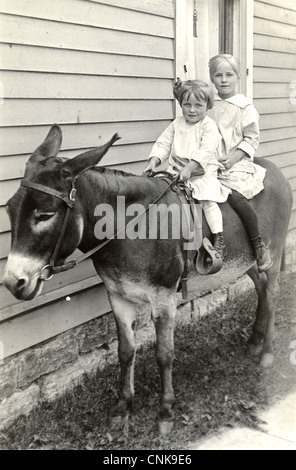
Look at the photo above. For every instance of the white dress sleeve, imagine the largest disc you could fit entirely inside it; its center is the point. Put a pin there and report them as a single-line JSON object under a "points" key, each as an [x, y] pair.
{"points": [[250, 131], [163, 146]]}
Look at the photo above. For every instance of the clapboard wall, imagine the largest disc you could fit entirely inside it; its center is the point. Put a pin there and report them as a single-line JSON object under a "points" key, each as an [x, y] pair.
{"points": [[274, 82], [95, 68]]}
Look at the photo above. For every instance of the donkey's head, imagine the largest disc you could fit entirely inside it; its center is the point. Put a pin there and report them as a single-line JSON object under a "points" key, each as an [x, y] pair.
{"points": [[46, 222]]}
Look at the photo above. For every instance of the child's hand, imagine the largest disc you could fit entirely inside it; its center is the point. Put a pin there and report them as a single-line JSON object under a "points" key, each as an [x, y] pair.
{"points": [[185, 174], [232, 158], [229, 160], [152, 164], [187, 171]]}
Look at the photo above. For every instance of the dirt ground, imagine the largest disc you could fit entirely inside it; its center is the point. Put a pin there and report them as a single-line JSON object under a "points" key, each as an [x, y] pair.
{"points": [[217, 385]]}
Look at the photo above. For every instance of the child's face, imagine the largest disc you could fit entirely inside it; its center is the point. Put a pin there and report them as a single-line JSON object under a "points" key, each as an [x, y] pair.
{"points": [[193, 110], [225, 80]]}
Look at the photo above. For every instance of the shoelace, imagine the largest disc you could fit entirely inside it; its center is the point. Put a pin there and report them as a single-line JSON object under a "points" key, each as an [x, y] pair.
{"points": [[219, 243]]}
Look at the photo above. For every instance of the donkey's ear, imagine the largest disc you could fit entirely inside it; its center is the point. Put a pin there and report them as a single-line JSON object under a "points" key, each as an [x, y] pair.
{"points": [[84, 161], [50, 147]]}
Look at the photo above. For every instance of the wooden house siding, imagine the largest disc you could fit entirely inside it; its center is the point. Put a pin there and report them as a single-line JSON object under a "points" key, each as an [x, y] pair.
{"points": [[95, 68], [274, 82], [102, 66]]}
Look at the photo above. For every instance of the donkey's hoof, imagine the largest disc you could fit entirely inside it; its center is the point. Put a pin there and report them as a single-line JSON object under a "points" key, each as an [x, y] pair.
{"points": [[254, 349], [118, 423], [165, 427], [267, 360]]}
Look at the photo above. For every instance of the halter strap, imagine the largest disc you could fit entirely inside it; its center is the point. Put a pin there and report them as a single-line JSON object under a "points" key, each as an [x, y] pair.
{"points": [[69, 200]]}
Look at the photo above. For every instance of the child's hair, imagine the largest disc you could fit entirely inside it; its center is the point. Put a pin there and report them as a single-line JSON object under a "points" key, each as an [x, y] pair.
{"points": [[219, 59], [199, 89]]}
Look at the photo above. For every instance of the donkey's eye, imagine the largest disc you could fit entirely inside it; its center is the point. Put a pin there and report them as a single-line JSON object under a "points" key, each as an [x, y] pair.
{"points": [[46, 216], [42, 216]]}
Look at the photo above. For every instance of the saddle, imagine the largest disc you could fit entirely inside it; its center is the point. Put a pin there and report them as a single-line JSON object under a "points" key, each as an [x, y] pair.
{"points": [[205, 258]]}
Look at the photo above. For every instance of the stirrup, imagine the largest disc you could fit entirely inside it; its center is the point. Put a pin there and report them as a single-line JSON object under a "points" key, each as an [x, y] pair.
{"points": [[204, 267]]}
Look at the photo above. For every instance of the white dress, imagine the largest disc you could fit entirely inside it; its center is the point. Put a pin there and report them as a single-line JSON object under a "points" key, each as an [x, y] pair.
{"points": [[180, 143], [238, 123]]}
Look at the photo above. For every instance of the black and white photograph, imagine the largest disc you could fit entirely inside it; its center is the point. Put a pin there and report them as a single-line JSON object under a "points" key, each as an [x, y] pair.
{"points": [[147, 228]]}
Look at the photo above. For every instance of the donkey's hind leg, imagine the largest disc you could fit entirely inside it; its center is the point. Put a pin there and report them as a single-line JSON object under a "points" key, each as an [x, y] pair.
{"points": [[163, 315], [257, 336], [263, 330], [125, 317], [273, 289]]}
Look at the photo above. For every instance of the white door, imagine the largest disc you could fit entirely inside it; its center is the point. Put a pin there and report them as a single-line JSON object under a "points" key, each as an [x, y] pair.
{"points": [[205, 28]]}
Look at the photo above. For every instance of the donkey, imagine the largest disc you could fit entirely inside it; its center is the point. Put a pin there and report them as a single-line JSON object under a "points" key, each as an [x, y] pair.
{"points": [[55, 211]]}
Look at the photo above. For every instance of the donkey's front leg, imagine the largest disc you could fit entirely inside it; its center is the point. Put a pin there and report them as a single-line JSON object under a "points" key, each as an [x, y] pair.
{"points": [[125, 317], [163, 315]]}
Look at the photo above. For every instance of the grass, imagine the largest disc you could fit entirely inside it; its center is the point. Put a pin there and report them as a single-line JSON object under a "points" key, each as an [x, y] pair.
{"points": [[217, 384]]}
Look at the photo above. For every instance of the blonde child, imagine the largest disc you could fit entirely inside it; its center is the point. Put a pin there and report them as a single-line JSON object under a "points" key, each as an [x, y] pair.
{"points": [[190, 142], [238, 123]]}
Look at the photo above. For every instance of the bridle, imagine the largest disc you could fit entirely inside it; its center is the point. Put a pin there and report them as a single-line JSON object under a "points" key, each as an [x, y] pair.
{"points": [[69, 200]]}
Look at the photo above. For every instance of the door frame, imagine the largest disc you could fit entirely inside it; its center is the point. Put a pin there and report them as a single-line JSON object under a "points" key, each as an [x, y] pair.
{"points": [[243, 17]]}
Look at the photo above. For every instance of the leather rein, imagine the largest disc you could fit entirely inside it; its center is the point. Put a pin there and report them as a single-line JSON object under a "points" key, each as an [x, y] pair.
{"points": [[69, 201]]}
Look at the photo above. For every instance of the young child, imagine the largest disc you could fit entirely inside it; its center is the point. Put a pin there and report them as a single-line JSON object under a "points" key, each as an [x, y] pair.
{"points": [[189, 142], [238, 123]]}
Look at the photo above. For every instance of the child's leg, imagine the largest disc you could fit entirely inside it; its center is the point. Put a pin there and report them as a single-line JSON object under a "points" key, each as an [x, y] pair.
{"points": [[249, 218], [246, 212], [213, 216]]}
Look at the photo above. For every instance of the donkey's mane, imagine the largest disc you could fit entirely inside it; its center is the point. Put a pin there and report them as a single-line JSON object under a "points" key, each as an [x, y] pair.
{"points": [[111, 171]]}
